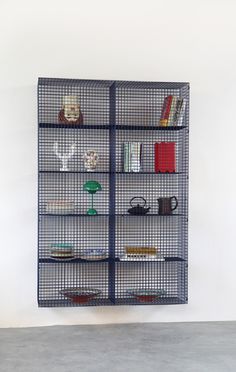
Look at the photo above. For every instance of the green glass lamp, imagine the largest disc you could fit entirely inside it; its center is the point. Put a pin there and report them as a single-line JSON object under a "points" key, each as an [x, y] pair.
{"points": [[92, 187]]}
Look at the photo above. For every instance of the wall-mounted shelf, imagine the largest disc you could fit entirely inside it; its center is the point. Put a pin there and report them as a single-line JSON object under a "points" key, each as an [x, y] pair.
{"points": [[114, 113]]}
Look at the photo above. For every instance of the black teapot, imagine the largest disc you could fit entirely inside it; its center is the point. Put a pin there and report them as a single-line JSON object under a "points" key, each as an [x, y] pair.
{"points": [[138, 209]]}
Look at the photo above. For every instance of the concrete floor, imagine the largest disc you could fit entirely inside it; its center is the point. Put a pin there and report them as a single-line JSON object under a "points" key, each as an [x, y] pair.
{"points": [[164, 347]]}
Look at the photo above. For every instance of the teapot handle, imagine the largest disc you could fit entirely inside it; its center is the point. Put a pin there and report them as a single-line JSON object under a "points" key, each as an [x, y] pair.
{"points": [[176, 202], [137, 197]]}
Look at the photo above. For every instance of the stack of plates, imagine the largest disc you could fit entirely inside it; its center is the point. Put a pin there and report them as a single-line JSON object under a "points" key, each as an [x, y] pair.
{"points": [[94, 254], [60, 207], [62, 252]]}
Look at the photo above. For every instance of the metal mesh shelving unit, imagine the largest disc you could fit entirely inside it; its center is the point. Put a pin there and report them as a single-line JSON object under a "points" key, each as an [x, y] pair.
{"points": [[114, 112]]}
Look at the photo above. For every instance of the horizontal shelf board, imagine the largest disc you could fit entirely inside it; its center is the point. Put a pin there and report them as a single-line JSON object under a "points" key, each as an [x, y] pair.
{"points": [[69, 172], [75, 261], [107, 172], [74, 126], [79, 260], [159, 301], [119, 84], [65, 303], [148, 127], [106, 126], [156, 173], [148, 215], [72, 215], [108, 302]]}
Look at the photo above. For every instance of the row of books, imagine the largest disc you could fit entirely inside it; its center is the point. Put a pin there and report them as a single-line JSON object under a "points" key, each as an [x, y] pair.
{"points": [[132, 156], [164, 157], [173, 111]]}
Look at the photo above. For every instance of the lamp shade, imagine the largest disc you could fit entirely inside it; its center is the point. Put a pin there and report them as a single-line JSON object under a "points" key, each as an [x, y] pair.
{"points": [[92, 187]]}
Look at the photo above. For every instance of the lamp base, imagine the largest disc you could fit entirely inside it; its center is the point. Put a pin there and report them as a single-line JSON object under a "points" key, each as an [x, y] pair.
{"points": [[92, 212]]}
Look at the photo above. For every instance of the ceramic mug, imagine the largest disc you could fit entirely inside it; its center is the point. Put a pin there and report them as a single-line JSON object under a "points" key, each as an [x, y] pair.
{"points": [[166, 206]]}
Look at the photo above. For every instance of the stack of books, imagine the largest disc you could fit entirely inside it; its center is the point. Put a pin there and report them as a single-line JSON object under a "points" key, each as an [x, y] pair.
{"points": [[136, 253], [60, 207], [173, 111], [132, 156]]}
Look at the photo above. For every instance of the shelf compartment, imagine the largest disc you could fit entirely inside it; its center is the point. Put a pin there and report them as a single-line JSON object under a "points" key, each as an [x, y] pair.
{"points": [[69, 187], [167, 276], [82, 142], [55, 278]]}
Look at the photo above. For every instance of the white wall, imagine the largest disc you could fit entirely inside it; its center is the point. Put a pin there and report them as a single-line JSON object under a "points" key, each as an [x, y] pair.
{"points": [[133, 40]]}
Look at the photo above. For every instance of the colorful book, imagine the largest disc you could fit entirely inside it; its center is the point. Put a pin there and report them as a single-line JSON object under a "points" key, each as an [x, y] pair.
{"points": [[179, 112], [166, 111], [172, 110]]}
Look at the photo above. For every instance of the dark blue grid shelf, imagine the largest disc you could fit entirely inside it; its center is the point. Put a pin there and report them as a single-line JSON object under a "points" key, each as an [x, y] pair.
{"points": [[118, 127], [114, 112]]}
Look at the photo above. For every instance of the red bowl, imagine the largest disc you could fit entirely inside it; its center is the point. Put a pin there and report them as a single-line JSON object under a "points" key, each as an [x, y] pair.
{"points": [[80, 295]]}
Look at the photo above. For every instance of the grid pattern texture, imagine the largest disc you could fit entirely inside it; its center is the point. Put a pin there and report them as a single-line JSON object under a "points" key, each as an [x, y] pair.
{"points": [[93, 249]]}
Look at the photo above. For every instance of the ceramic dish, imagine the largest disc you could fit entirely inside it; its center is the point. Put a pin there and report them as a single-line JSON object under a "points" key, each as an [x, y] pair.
{"points": [[80, 295], [146, 295], [63, 259], [94, 254]]}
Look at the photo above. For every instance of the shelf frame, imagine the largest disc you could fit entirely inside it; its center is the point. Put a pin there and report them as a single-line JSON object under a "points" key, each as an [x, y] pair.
{"points": [[109, 123]]}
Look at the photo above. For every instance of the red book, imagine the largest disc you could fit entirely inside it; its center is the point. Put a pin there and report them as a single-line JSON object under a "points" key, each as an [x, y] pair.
{"points": [[166, 111], [165, 157]]}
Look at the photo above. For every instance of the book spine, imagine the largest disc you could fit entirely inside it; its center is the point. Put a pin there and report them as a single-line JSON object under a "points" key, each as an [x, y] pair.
{"points": [[179, 104], [172, 110], [182, 113], [166, 111], [126, 157], [134, 157]]}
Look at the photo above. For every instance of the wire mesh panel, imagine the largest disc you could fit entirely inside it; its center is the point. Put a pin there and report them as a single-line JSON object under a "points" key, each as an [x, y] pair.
{"points": [[151, 192], [113, 192]]}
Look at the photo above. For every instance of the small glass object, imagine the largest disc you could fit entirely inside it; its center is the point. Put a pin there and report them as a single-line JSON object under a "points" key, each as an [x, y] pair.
{"points": [[92, 187], [64, 157]]}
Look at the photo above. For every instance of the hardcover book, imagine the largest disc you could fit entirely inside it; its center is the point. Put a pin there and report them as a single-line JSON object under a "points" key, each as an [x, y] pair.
{"points": [[166, 111], [165, 157]]}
